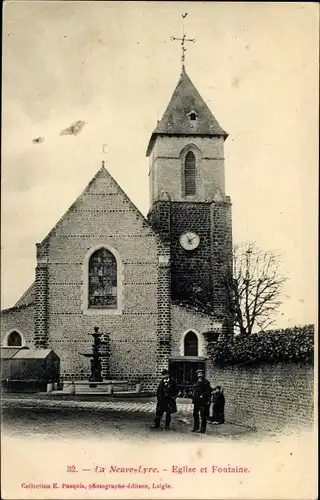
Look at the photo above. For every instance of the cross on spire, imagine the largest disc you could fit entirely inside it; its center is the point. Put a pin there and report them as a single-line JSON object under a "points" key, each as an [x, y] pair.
{"points": [[103, 152], [183, 41]]}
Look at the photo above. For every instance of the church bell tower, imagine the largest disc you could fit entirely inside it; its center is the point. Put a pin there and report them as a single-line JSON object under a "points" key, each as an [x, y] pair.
{"points": [[188, 203]]}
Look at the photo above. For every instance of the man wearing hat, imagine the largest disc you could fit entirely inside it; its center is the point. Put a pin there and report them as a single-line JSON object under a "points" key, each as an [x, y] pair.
{"points": [[201, 402], [166, 400]]}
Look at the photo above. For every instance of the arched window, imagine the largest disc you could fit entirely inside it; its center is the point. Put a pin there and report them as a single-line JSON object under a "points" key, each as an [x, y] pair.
{"points": [[102, 283], [191, 344], [193, 115], [190, 174], [14, 339]]}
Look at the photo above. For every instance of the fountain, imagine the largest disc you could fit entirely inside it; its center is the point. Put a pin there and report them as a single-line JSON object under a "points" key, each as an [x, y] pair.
{"points": [[96, 356]]}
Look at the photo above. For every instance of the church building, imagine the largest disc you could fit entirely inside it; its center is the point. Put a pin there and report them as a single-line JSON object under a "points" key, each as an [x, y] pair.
{"points": [[153, 286]]}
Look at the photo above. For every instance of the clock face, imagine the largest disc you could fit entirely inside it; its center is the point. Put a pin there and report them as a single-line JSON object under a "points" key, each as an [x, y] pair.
{"points": [[189, 240]]}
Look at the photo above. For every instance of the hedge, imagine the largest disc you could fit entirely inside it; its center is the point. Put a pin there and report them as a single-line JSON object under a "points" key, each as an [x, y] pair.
{"points": [[289, 345]]}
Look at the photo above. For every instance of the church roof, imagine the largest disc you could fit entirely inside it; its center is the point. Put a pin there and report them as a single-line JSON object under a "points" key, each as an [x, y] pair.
{"points": [[176, 119], [28, 297], [26, 300]]}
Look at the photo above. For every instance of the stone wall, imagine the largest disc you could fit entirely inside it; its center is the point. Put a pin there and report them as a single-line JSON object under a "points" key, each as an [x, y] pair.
{"points": [[183, 320], [104, 216], [166, 166], [20, 319], [197, 276], [191, 271], [41, 297], [221, 258], [269, 396]]}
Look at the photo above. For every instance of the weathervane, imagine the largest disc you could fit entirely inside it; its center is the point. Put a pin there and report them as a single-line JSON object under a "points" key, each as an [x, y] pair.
{"points": [[183, 41]]}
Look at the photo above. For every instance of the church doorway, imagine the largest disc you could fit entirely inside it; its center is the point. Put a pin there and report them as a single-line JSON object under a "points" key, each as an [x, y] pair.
{"points": [[183, 370]]}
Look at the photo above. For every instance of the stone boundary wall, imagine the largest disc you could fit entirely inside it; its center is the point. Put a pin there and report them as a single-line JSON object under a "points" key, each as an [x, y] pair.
{"points": [[269, 396], [275, 391]]}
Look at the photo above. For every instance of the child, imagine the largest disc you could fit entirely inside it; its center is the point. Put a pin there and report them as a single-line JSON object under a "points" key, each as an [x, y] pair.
{"points": [[218, 401]]}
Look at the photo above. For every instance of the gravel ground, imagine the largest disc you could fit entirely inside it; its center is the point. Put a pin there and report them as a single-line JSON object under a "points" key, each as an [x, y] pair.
{"points": [[54, 419]]}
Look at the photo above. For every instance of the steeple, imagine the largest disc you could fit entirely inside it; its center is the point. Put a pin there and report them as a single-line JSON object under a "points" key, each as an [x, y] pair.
{"points": [[186, 150], [189, 207], [186, 114], [185, 101]]}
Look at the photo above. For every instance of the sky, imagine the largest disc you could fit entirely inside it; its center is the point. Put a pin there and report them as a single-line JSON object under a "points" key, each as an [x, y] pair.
{"points": [[114, 66]]}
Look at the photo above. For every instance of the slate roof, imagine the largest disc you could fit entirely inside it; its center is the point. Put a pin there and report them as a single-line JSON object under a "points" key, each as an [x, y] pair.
{"points": [[26, 300], [24, 353], [34, 354], [176, 121], [9, 352]]}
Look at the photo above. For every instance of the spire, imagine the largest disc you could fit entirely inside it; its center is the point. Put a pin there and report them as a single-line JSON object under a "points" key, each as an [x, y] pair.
{"points": [[186, 114]]}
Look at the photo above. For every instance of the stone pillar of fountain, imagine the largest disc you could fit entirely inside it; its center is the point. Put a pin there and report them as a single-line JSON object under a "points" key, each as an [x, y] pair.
{"points": [[96, 355]]}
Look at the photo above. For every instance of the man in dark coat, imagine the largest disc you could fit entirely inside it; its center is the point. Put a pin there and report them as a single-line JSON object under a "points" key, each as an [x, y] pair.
{"points": [[166, 400], [201, 402], [218, 406]]}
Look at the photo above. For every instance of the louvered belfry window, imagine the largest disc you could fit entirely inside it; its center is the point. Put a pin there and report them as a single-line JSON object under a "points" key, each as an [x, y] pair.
{"points": [[190, 174]]}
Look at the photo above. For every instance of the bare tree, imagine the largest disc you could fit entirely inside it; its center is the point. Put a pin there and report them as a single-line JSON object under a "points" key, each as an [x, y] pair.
{"points": [[254, 291]]}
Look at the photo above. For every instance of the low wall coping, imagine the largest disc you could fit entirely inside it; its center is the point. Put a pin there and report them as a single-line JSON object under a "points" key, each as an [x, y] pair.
{"points": [[105, 382]]}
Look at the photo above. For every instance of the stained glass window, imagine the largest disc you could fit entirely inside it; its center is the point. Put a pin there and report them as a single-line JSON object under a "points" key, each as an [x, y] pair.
{"points": [[15, 339], [102, 280], [190, 174]]}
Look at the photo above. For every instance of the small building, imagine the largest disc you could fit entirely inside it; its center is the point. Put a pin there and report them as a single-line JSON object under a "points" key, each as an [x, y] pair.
{"points": [[24, 369]]}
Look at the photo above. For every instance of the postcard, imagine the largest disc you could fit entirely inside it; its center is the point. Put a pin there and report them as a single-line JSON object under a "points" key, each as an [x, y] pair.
{"points": [[159, 250]]}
